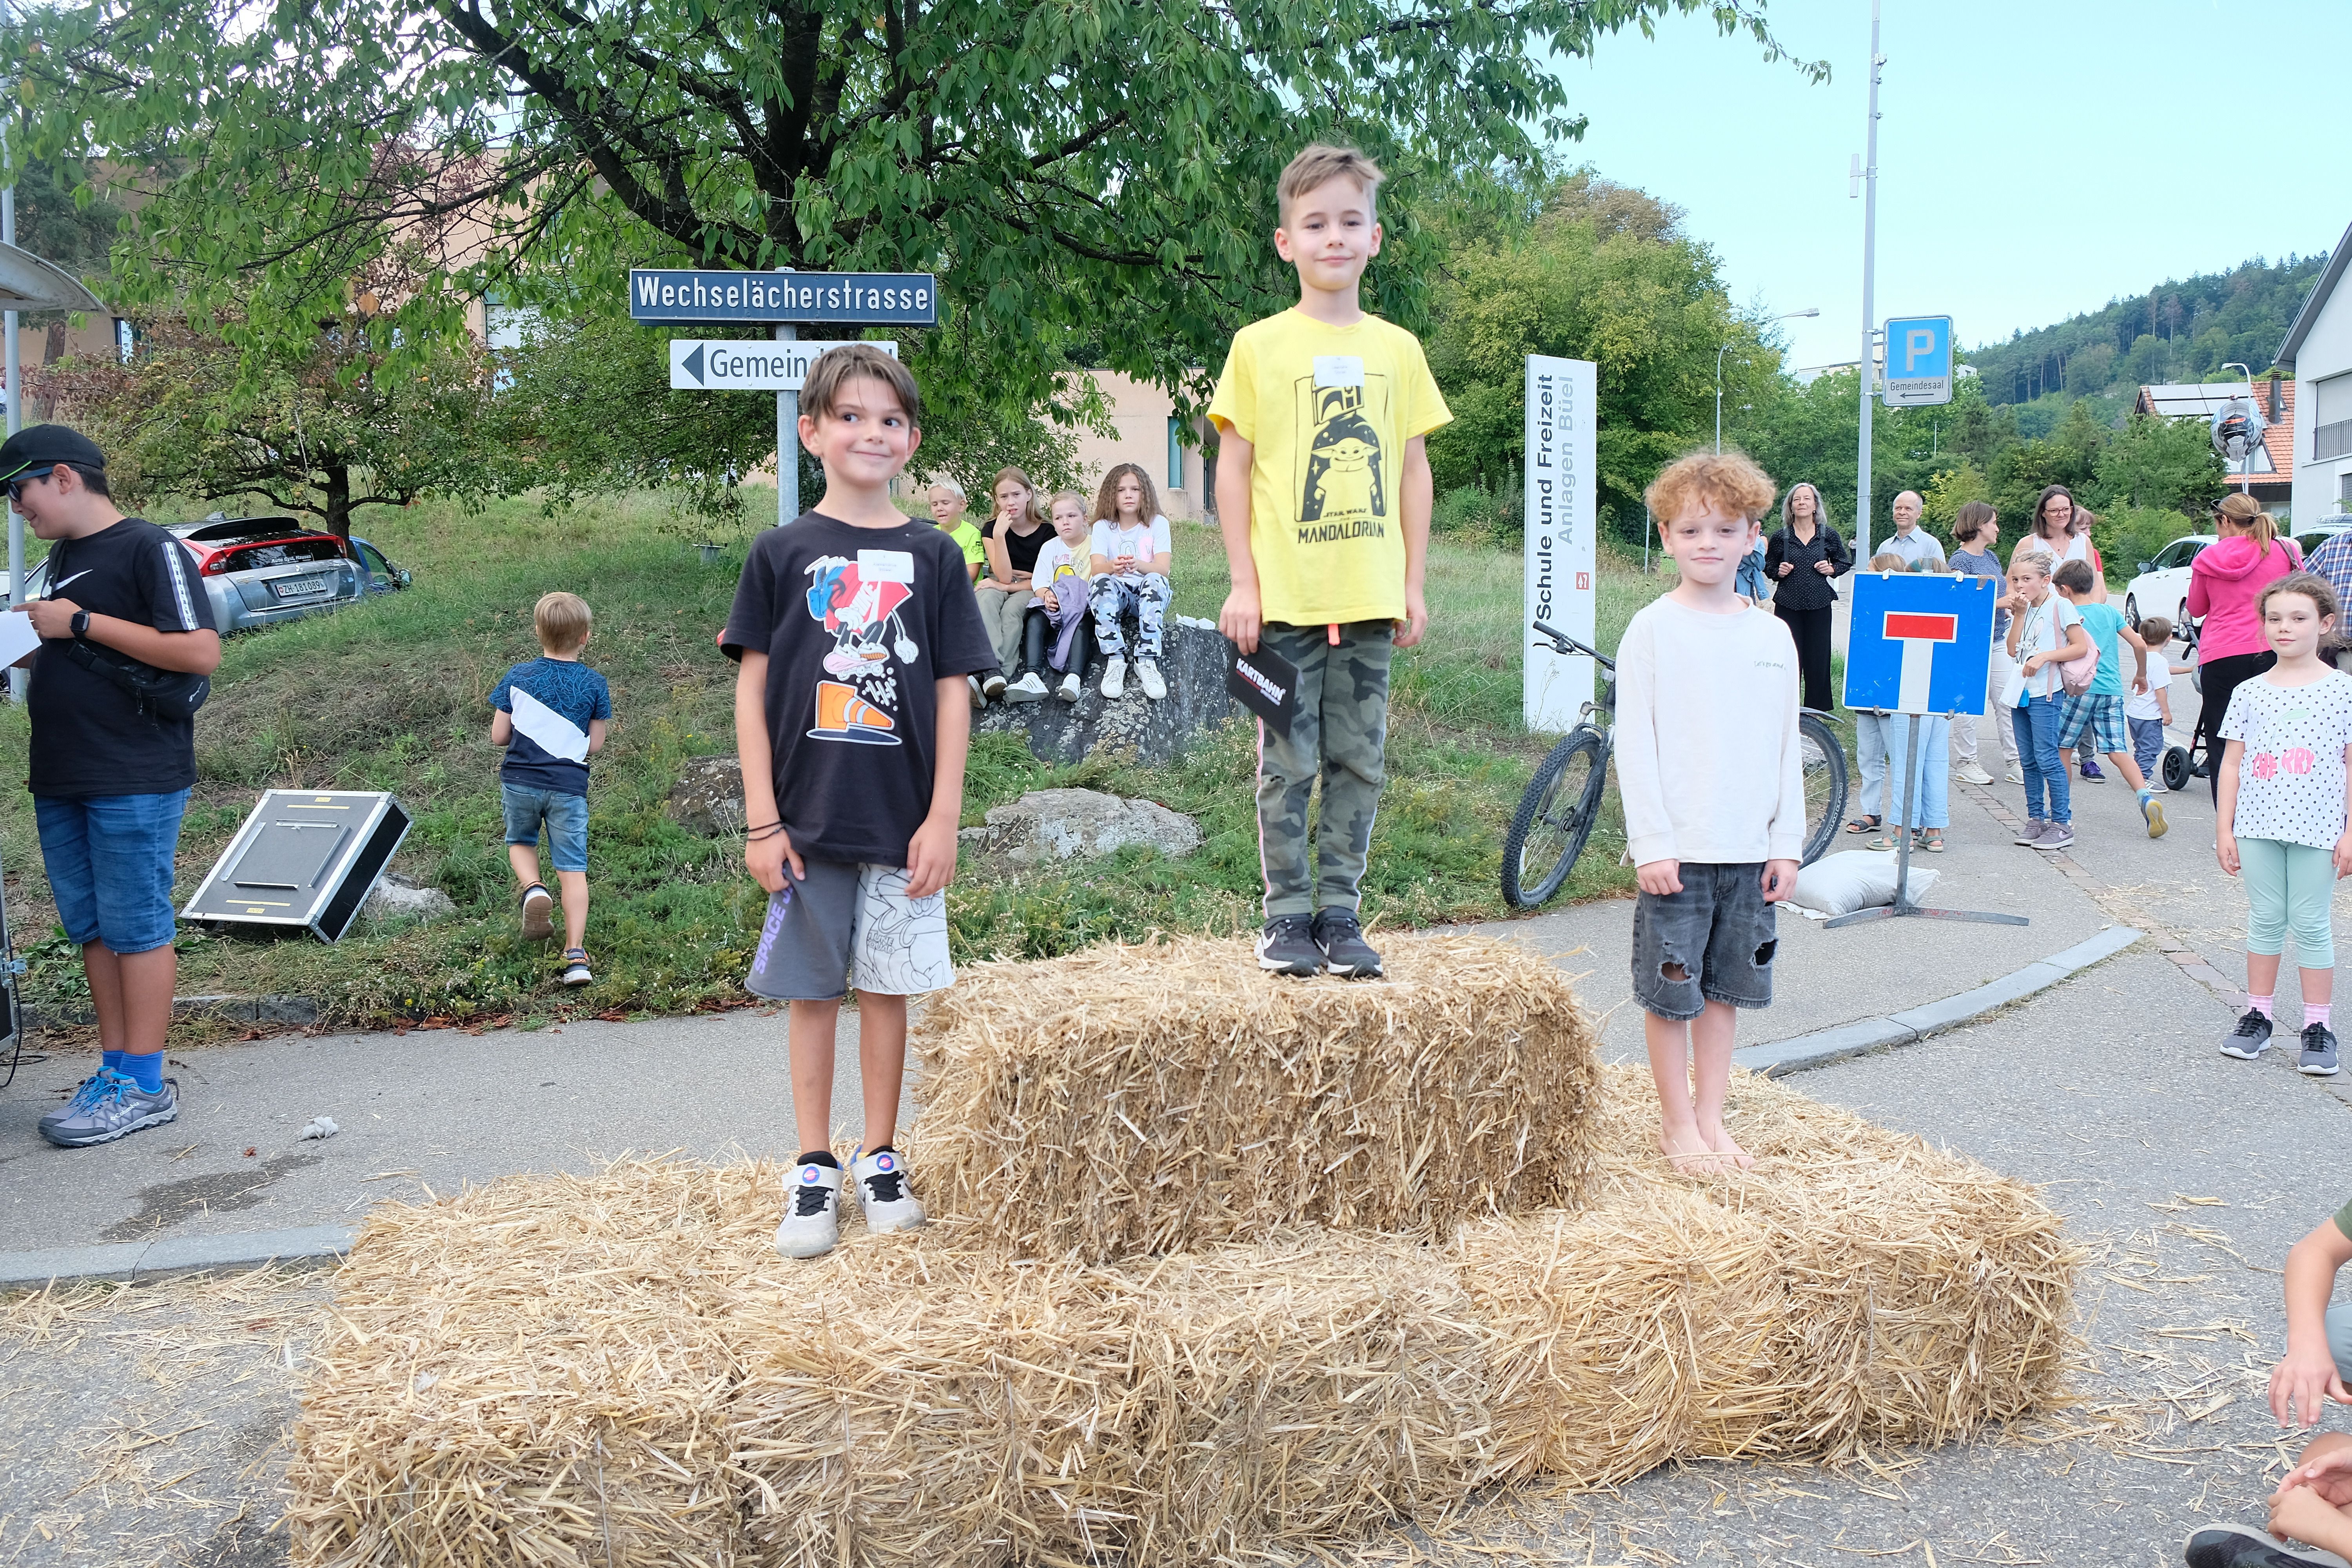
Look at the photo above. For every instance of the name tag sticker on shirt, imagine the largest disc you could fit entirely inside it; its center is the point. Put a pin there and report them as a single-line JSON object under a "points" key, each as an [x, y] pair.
{"points": [[886, 566], [1339, 370], [1267, 685]]}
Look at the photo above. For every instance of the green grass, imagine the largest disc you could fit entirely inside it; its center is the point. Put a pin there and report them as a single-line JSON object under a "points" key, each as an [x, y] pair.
{"points": [[393, 695]]}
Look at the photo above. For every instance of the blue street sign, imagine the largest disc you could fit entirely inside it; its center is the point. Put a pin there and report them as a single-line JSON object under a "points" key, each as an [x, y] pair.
{"points": [[863, 299], [1919, 644], [1918, 361]]}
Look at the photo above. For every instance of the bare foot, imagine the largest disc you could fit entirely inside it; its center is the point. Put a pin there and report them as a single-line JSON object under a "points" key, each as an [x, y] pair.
{"points": [[1689, 1154], [1726, 1149]]}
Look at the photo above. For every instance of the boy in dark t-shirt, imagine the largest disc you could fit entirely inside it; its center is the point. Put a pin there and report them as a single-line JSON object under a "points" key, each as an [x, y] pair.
{"points": [[126, 634], [551, 713], [856, 628]]}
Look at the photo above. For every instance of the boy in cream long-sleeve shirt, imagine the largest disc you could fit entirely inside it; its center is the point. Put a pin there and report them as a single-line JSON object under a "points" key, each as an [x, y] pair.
{"points": [[1708, 768]]}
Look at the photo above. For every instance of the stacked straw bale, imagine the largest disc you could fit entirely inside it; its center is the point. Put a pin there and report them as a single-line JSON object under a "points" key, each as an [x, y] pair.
{"points": [[617, 1370], [1133, 1101], [1856, 1286], [539, 1372]]}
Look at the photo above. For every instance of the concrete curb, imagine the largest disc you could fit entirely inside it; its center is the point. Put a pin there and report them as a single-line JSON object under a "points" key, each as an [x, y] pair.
{"points": [[131, 1261], [1824, 1046]]}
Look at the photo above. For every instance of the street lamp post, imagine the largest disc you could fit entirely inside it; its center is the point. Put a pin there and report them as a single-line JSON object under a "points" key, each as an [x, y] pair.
{"points": [[1866, 176], [1792, 315]]}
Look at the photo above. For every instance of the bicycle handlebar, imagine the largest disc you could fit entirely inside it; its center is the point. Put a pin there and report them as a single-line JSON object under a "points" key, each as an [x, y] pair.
{"points": [[1563, 643]]}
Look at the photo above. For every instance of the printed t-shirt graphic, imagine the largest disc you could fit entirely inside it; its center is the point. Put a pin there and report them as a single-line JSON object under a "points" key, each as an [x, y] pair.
{"points": [[552, 701], [858, 604], [1327, 411], [858, 624]]}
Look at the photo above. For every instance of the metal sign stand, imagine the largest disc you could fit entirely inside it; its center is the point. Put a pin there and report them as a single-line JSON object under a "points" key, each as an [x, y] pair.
{"points": [[1903, 905]]}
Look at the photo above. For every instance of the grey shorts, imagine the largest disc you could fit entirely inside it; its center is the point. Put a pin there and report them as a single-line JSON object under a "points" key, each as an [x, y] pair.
{"points": [[1718, 930], [845, 925]]}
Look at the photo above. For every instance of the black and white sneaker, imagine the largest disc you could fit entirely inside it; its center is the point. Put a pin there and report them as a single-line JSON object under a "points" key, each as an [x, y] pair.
{"points": [[882, 1193], [2248, 1039], [1345, 951], [811, 1211], [2243, 1546], [2318, 1057], [1287, 946]]}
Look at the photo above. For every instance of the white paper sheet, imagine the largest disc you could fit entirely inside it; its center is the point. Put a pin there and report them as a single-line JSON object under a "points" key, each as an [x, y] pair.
{"points": [[18, 637]]}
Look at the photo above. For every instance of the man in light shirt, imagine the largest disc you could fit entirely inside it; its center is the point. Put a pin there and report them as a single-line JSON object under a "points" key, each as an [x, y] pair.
{"points": [[1915, 545]]}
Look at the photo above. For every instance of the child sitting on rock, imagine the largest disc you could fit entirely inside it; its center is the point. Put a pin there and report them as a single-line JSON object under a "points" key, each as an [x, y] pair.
{"points": [[1132, 558], [1060, 615]]}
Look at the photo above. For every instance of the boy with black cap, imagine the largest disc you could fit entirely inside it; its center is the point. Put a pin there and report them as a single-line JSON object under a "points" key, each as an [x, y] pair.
{"points": [[122, 597]]}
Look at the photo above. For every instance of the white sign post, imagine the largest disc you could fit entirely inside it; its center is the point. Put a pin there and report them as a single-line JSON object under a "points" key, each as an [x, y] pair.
{"points": [[1560, 519]]}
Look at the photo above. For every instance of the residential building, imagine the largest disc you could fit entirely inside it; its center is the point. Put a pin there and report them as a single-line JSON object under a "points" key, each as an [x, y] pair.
{"points": [[1147, 433], [2272, 467], [2318, 348]]}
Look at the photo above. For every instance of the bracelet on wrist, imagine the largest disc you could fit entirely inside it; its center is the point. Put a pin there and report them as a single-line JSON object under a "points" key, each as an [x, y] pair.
{"points": [[768, 830]]}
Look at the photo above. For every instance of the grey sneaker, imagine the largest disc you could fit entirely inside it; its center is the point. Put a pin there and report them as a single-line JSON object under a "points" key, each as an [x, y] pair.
{"points": [[2318, 1057], [2243, 1546], [882, 1196], [2031, 834], [575, 967], [811, 1211], [110, 1105], [1287, 946], [1345, 951], [2247, 1040], [2061, 836]]}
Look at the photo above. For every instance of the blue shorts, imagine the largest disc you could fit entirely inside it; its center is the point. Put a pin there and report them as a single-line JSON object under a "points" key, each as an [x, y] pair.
{"points": [[109, 858], [566, 816]]}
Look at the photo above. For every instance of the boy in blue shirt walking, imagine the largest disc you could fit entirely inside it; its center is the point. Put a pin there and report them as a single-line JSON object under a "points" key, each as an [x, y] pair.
{"points": [[551, 713]]}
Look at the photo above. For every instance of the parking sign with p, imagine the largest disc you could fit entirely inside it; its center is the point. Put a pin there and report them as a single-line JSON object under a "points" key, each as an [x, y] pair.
{"points": [[1918, 361]]}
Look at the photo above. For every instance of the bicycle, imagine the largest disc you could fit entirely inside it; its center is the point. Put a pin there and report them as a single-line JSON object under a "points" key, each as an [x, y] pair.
{"points": [[1563, 805]]}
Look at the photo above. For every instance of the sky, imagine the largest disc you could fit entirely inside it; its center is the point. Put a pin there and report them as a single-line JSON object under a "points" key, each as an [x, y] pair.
{"points": [[2154, 136]]}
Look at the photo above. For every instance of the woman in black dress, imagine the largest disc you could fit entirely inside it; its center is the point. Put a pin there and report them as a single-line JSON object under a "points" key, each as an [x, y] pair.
{"points": [[1805, 553]]}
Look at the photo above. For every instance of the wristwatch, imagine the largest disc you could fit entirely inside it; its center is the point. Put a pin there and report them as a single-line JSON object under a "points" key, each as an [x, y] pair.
{"points": [[80, 622]]}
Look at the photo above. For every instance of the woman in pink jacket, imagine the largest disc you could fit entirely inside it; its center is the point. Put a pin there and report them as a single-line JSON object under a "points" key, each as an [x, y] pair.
{"points": [[2224, 582]]}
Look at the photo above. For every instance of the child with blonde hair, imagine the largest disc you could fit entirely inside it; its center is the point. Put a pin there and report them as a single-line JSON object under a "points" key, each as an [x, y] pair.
{"points": [[2282, 826], [1709, 772], [550, 716], [1055, 630], [1012, 539], [2045, 630]]}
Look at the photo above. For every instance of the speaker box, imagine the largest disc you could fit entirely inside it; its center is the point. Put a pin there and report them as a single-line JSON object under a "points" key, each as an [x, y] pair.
{"points": [[304, 857]]}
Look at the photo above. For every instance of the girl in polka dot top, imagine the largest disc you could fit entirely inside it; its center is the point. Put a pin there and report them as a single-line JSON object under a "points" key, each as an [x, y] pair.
{"points": [[2281, 825]]}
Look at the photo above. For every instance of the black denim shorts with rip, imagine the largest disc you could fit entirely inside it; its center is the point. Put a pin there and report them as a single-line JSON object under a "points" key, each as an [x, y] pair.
{"points": [[1712, 942]]}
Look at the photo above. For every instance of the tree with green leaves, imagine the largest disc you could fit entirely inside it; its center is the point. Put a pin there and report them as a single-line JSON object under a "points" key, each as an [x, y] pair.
{"points": [[2166, 465], [1090, 171]]}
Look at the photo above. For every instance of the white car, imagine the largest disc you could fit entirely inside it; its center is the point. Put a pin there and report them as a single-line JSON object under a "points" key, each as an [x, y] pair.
{"points": [[2162, 587]]}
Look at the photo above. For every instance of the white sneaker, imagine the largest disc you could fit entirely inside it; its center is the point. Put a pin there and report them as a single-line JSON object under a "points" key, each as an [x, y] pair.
{"points": [[2016, 774], [1114, 680], [1148, 671], [1069, 689], [811, 1211], [1973, 773], [979, 698], [882, 1193], [1028, 689], [992, 686]]}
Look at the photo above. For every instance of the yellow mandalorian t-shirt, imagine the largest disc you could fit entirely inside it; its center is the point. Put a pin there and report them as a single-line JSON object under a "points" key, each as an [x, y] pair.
{"points": [[1327, 411]]}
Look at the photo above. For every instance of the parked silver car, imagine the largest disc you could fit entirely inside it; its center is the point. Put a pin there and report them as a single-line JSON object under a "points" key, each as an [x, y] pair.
{"points": [[259, 571]]}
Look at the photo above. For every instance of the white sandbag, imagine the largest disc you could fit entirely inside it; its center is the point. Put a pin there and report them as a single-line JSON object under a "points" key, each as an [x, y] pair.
{"points": [[1856, 880]]}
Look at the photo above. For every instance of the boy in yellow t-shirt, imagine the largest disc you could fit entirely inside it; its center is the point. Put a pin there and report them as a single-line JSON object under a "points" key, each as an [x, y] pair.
{"points": [[1323, 496]]}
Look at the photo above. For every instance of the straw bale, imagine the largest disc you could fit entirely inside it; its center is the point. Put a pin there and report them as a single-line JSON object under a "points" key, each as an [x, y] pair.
{"points": [[1132, 1101], [1857, 1286], [537, 1372]]}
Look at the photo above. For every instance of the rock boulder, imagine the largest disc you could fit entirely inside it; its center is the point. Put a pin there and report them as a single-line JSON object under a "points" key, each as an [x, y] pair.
{"points": [[1066, 824], [398, 898], [708, 796], [1194, 665]]}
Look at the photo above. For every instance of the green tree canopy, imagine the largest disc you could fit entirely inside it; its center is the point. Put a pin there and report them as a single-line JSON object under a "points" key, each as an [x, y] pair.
{"points": [[1083, 167]]}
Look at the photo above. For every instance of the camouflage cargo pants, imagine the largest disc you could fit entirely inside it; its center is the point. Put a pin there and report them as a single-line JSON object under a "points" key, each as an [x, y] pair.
{"points": [[1340, 732]]}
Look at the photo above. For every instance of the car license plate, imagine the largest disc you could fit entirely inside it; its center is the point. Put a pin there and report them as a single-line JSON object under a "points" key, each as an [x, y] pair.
{"points": [[301, 587]]}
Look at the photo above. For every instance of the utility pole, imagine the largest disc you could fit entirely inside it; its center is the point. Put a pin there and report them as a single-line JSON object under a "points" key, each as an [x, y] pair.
{"points": [[1865, 174], [17, 679]]}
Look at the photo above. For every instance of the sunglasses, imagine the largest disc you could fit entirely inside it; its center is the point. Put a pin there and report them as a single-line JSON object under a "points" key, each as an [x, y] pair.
{"points": [[16, 485]]}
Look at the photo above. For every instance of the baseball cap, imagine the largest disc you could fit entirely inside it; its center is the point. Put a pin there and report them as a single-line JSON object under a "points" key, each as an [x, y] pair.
{"points": [[42, 445]]}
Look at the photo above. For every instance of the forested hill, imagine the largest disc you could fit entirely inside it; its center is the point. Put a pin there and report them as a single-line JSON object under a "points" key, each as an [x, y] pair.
{"points": [[2182, 330]]}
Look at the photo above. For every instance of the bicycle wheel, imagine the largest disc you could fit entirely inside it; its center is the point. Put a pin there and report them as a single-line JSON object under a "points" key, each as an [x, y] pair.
{"points": [[1555, 818], [1823, 757]]}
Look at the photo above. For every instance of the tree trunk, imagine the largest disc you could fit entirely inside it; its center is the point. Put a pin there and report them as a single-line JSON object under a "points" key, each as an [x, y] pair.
{"points": [[339, 500]]}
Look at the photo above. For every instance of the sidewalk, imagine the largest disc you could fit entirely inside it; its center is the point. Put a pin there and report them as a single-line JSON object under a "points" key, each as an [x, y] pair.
{"points": [[427, 1112]]}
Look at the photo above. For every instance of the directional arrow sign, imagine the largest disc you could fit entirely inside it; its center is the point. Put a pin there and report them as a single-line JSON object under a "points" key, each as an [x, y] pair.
{"points": [[702, 364]]}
